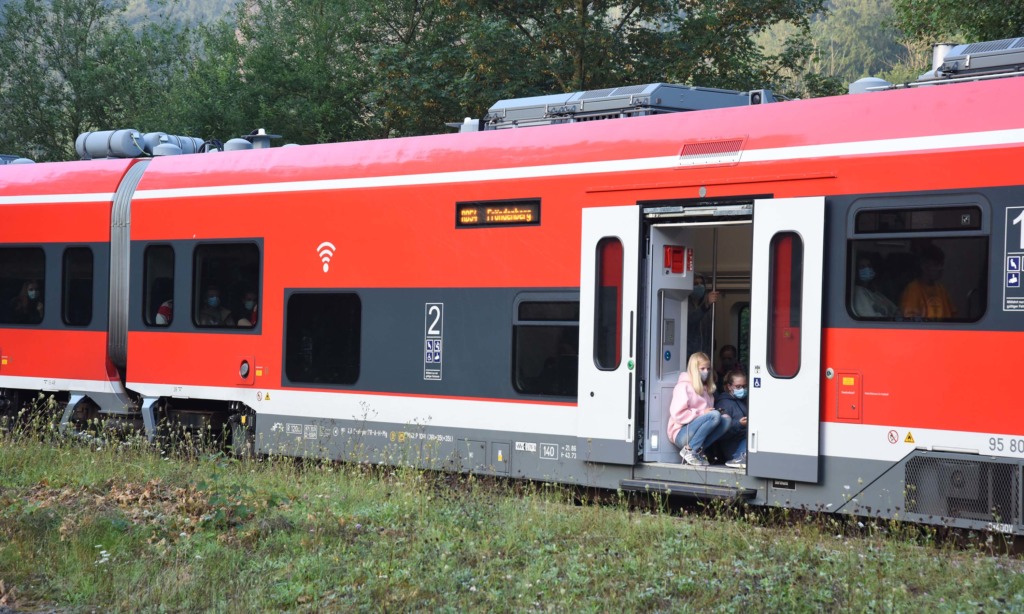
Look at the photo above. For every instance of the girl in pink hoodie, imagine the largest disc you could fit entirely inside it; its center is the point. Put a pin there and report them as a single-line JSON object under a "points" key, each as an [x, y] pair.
{"points": [[693, 422]]}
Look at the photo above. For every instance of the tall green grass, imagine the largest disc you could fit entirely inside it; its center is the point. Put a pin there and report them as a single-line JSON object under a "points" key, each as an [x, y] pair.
{"points": [[122, 526]]}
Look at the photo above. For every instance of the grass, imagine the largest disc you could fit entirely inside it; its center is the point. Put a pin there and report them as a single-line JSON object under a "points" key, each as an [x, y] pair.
{"points": [[122, 527]]}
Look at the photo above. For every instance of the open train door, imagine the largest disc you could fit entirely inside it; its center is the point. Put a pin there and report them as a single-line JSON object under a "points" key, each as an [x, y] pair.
{"points": [[609, 264], [785, 338]]}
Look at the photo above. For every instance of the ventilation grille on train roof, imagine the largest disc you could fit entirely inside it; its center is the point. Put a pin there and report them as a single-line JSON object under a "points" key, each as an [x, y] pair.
{"points": [[963, 489]]}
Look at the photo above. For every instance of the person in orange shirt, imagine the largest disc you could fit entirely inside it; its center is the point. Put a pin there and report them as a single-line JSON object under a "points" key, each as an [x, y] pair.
{"points": [[926, 297]]}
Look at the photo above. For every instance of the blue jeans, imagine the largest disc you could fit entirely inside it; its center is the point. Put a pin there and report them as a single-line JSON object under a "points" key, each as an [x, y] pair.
{"points": [[734, 445], [703, 431]]}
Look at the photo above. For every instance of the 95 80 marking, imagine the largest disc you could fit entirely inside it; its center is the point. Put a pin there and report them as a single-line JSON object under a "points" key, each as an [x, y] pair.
{"points": [[1006, 444]]}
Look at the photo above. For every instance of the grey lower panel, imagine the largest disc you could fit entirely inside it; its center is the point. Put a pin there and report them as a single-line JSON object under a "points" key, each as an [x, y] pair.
{"points": [[799, 467], [607, 451], [946, 489], [553, 458]]}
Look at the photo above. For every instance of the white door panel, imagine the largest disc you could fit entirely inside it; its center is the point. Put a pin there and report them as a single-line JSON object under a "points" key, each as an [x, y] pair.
{"points": [[785, 338], [607, 392]]}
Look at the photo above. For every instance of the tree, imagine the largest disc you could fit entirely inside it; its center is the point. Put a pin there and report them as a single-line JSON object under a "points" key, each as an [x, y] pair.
{"points": [[71, 66], [589, 44], [964, 21], [927, 22]]}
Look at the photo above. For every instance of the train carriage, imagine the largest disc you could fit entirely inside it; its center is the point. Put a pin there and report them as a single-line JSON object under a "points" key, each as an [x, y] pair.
{"points": [[55, 235], [515, 302]]}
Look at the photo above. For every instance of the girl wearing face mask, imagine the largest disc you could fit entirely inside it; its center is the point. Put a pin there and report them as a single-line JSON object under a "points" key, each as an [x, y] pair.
{"points": [[868, 302], [693, 423], [27, 307], [733, 403]]}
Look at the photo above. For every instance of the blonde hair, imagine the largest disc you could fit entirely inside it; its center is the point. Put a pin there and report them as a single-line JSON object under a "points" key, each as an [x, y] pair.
{"points": [[693, 368]]}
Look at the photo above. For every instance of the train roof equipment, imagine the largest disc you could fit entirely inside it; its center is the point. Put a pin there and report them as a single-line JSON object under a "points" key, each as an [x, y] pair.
{"points": [[608, 103], [954, 62], [6, 159]]}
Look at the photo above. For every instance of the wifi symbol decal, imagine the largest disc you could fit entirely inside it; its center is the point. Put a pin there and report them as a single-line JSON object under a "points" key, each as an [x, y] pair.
{"points": [[326, 251]]}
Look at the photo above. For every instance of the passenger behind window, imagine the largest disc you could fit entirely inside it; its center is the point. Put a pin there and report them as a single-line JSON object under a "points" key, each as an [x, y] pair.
{"points": [[926, 297], [212, 312], [27, 307], [164, 313], [868, 299], [726, 362], [733, 403], [250, 310], [693, 423]]}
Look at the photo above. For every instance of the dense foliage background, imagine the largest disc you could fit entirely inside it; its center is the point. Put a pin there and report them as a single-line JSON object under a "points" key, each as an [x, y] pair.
{"points": [[333, 70]]}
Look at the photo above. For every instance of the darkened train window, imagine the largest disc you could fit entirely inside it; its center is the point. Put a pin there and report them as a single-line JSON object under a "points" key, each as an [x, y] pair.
{"points": [[896, 272], [158, 283], [224, 276], [608, 305], [21, 285], [785, 301], [76, 301], [546, 345], [919, 219], [322, 337]]}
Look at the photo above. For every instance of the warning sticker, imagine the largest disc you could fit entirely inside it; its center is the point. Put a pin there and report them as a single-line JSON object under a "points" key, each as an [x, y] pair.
{"points": [[909, 438]]}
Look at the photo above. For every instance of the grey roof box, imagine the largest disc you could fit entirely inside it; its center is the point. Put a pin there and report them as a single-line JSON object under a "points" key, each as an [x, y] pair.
{"points": [[630, 101]]}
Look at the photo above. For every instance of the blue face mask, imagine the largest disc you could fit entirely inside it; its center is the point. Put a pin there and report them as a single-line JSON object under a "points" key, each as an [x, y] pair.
{"points": [[33, 295], [249, 304], [213, 301], [704, 373], [698, 292], [866, 274], [740, 393]]}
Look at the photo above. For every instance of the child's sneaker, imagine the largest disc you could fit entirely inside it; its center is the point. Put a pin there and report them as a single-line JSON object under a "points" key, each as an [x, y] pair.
{"points": [[737, 463], [693, 458]]}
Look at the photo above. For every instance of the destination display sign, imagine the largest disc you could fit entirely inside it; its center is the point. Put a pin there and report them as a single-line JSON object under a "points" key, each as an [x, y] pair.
{"points": [[525, 212]]}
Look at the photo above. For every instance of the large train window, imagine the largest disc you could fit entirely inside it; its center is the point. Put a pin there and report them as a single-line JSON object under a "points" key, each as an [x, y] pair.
{"points": [[76, 296], [546, 344], [923, 264], [158, 281], [21, 285], [322, 338], [785, 266], [226, 280], [608, 305]]}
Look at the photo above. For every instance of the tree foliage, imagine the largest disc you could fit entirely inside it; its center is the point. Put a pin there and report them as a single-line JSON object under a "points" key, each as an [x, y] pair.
{"points": [[70, 66], [332, 70], [964, 21]]}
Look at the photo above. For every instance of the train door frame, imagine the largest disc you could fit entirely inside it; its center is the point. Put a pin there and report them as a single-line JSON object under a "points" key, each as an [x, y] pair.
{"points": [[785, 398], [670, 235]]}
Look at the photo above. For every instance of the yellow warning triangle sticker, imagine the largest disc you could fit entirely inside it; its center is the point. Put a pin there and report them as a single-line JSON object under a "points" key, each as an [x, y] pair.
{"points": [[909, 438], [266, 397]]}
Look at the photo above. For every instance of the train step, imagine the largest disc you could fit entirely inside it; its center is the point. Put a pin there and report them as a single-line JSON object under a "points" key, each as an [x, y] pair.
{"points": [[700, 491]]}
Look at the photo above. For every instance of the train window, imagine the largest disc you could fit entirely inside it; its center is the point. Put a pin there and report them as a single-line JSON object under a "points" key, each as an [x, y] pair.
{"points": [[226, 285], [608, 305], [322, 338], [897, 273], [546, 344], [21, 285], [76, 298], [919, 219], [158, 281], [785, 264]]}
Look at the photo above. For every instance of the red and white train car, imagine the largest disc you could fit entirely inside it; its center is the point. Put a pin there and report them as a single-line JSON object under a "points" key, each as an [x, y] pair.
{"points": [[514, 302]]}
